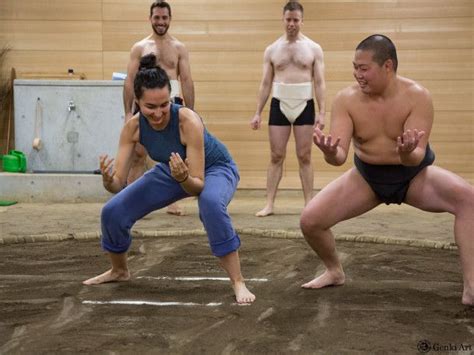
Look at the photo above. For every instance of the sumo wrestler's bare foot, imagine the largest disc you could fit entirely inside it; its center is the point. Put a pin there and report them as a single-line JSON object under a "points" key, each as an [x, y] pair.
{"points": [[108, 276], [242, 294], [328, 278], [266, 211], [175, 209], [468, 296]]}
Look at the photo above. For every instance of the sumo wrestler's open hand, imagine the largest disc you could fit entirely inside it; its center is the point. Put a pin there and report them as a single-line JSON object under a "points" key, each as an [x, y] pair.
{"points": [[408, 141], [325, 143]]}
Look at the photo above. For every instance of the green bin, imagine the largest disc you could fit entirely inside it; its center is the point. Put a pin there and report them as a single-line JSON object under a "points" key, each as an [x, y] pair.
{"points": [[14, 162]]}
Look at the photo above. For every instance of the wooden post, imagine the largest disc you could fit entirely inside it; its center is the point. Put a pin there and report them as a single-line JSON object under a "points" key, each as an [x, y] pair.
{"points": [[11, 111]]}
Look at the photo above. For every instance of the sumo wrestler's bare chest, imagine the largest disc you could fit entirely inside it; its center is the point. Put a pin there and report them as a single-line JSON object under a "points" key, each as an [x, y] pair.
{"points": [[376, 121], [166, 55], [293, 56]]}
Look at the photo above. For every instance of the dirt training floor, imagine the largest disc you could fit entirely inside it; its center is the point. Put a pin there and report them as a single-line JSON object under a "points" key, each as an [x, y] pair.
{"points": [[397, 298]]}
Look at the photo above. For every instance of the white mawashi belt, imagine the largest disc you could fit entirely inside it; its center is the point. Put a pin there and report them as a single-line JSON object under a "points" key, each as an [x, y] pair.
{"points": [[293, 98], [175, 88]]}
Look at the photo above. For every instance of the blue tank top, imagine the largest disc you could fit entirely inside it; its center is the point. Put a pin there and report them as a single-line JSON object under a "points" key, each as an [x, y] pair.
{"points": [[160, 144]]}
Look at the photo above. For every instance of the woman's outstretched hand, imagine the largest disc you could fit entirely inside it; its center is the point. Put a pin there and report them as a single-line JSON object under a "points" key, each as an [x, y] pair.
{"points": [[107, 169], [179, 168]]}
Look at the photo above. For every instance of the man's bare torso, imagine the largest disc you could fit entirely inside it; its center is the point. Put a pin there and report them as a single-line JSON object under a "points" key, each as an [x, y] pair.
{"points": [[293, 62], [377, 122], [166, 51]]}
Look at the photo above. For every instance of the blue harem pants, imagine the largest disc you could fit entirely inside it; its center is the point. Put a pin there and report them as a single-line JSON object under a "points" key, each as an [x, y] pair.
{"points": [[157, 189]]}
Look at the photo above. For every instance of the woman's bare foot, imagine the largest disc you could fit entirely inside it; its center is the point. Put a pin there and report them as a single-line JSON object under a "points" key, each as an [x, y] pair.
{"points": [[108, 276], [267, 211], [242, 294], [175, 209], [333, 278]]}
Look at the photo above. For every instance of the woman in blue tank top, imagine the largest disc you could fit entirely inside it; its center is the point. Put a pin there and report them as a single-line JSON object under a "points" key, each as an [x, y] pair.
{"points": [[194, 163]]}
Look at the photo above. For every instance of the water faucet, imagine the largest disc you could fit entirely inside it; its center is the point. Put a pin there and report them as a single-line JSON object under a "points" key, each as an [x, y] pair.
{"points": [[71, 106]]}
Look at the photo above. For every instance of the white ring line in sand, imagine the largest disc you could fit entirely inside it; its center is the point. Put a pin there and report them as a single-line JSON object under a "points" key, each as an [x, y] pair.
{"points": [[195, 278], [151, 303]]}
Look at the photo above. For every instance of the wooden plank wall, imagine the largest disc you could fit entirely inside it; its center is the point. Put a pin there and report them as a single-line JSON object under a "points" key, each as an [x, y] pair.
{"points": [[226, 39]]}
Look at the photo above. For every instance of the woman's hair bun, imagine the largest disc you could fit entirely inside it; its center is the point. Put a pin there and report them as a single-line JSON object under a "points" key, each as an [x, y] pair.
{"points": [[148, 62]]}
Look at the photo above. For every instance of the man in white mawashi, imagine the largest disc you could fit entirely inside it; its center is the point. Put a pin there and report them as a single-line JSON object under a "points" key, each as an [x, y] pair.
{"points": [[173, 57], [293, 66]]}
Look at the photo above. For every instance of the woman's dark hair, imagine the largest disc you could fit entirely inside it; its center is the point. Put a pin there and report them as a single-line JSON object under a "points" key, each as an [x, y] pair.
{"points": [[383, 49], [150, 76]]}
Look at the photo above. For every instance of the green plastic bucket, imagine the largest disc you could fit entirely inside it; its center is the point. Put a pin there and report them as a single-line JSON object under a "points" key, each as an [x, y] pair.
{"points": [[14, 162]]}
